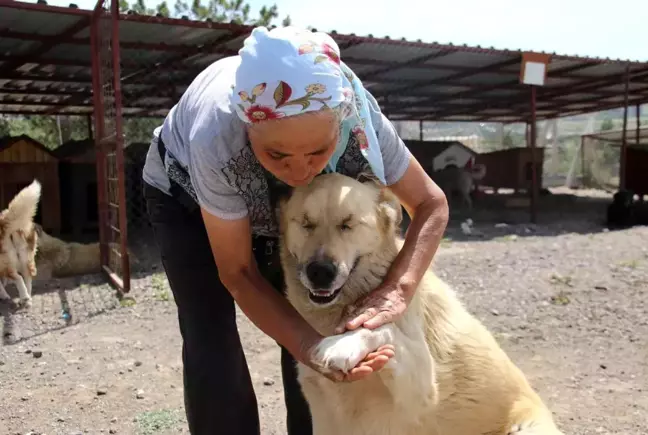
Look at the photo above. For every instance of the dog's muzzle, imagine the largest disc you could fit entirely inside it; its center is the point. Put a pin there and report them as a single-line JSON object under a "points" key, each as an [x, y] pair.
{"points": [[323, 278], [321, 273]]}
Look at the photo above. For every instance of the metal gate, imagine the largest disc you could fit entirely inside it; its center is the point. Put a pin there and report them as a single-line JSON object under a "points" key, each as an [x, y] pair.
{"points": [[109, 143]]}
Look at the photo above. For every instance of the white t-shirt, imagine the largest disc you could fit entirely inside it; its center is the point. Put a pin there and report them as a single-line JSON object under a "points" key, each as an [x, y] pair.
{"points": [[208, 153]]}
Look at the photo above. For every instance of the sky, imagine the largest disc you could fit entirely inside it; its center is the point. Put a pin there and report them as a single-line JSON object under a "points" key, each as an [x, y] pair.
{"points": [[596, 28]]}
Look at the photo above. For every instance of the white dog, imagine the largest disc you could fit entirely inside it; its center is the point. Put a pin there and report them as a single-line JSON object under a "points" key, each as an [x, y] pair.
{"points": [[18, 243], [448, 377], [459, 180]]}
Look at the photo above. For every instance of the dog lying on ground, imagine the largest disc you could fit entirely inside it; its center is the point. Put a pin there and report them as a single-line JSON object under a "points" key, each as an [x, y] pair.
{"points": [[448, 377], [454, 180], [18, 243], [625, 212], [57, 258]]}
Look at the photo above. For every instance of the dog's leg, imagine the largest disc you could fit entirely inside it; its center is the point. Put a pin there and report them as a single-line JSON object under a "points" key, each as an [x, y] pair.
{"points": [[344, 351], [25, 296], [3, 291], [532, 429]]}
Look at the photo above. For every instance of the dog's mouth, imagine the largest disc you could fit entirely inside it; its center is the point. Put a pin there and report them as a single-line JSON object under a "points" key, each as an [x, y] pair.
{"points": [[323, 297], [320, 295]]}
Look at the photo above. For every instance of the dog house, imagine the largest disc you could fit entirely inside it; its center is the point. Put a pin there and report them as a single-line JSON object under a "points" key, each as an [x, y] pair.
{"points": [[78, 184], [636, 166], [23, 159], [437, 155], [511, 168], [78, 174]]}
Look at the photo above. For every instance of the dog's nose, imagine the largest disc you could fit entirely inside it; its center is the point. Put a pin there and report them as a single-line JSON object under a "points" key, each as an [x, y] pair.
{"points": [[321, 273]]}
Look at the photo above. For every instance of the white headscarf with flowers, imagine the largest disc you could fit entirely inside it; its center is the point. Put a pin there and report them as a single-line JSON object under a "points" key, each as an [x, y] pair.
{"points": [[289, 71]]}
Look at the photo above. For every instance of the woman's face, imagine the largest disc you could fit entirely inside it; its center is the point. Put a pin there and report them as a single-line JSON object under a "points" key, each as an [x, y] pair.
{"points": [[297, 148]]}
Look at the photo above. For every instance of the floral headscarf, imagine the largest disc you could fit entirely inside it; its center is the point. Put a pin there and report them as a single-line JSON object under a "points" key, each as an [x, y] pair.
{"points": [[289, 71]]}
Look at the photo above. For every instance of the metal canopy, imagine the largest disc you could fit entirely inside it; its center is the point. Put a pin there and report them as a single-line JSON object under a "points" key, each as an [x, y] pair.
{"points": [[615, 137], [45, 68]]}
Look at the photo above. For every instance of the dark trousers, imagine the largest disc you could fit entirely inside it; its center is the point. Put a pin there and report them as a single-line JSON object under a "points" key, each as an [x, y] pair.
{"points": [[219, 397]]}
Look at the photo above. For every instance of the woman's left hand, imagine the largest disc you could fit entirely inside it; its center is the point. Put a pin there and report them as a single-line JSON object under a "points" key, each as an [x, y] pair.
{"points": [[383, 305]]}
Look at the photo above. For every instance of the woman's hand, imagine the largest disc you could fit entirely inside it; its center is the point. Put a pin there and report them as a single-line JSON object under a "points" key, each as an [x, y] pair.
{"points": [[383, 305], [372, 362]]}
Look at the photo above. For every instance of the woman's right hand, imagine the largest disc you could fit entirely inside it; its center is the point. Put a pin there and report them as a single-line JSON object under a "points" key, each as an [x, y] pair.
{"points": [[372, 362]]}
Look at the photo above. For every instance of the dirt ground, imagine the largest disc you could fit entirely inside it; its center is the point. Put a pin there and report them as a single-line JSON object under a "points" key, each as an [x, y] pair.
{"points": [[567, 300]]}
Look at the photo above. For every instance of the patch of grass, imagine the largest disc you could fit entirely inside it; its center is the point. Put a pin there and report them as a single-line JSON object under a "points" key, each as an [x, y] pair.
{"points": [[557, 279], [445, 241], [127, 301], [160, 287], [152, 422], [629, 264], [561, 298]]}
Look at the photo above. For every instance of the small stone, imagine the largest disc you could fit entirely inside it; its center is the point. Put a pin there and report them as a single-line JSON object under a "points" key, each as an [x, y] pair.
{"points": [[113, 420], [268, 381], [60, 420], [37, 354], [494, 312], [28, 351], [603, 366], [24, 398], [102, 391], [112, 431], [138, 363], [139, 394]]}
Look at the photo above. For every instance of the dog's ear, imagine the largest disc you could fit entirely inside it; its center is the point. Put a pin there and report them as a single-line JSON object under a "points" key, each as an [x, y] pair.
{"points": [[280, 206], [368, 177], [390, 210]]}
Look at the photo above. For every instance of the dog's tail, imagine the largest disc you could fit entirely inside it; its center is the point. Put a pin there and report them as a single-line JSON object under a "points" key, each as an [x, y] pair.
{"points": [[20, 213]]}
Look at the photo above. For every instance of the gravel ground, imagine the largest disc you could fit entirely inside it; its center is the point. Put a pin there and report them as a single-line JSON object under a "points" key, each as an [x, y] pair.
{"points": [[566, 299]]}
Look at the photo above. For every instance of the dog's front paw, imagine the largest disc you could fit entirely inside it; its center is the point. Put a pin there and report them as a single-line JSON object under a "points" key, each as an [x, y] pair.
{"points": [[26, 303], [342, 352]]}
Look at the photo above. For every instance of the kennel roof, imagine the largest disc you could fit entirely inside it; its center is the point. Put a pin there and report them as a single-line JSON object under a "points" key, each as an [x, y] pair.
{"points": [[615, 137], [46, 68]]}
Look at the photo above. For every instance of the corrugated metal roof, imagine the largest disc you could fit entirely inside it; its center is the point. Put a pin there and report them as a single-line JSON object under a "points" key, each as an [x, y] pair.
{"points": [[45, 67], [615, 137]]}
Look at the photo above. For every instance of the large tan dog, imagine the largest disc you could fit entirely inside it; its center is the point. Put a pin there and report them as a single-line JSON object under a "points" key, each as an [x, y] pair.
{"points": [[18, 243], [449, 375], [58, 258]]}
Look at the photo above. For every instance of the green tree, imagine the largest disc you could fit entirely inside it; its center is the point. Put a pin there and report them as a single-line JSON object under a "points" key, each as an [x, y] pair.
{"points": [[607, 124], [234, 11]]}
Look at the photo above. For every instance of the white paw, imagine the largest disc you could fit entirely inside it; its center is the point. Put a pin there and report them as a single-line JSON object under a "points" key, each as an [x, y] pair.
{"points": [[525, 428], [26, 302], [342, 352]]}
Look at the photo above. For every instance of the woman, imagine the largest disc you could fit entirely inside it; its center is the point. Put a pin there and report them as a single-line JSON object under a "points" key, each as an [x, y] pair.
{"points": [[248, 127]]}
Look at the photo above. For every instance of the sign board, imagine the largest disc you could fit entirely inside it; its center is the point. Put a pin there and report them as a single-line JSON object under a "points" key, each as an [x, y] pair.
{"points": [[534, 68]]}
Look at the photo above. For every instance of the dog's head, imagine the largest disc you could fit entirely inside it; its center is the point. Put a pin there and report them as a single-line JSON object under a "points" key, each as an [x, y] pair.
{"points": [[330, 225]]}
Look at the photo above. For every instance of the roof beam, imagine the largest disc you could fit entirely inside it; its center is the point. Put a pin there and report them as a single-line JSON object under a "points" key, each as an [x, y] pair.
{"points": [[417, 61], [46, 46], [453, 77], [550, 92]]}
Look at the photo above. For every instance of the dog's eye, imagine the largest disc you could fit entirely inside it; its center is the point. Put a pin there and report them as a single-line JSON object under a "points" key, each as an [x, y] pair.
{"points": [[346, 224], [308, 226]]}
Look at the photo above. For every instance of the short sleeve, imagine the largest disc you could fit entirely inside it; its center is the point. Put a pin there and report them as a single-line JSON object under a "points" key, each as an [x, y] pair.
{"points": [[213, 191], [396, 156]]}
